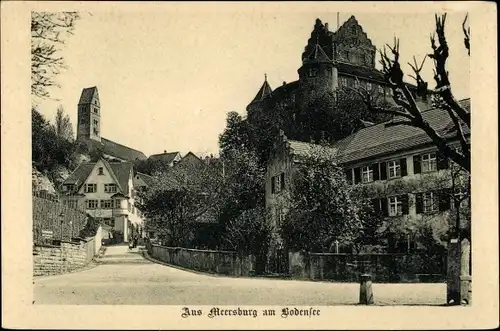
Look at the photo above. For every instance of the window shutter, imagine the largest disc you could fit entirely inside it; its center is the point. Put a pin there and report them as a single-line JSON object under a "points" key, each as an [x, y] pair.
{"points": [[384, 206], [404, 200], [273, 184], [374, 168], [383, 171], [348, 174], [444, 200], [282, 180], [404, 170], [357, 175], [376, 205], [416, 164], [442, 161], [419, 203]]}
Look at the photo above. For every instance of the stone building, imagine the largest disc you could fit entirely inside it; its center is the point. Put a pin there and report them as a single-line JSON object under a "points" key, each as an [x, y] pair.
{"points": [[108, 192], [89, 130], [407, 178], [330, 61]]}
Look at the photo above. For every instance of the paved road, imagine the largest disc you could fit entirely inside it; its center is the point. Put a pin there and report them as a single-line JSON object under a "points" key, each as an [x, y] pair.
{"points": [[124, 277]]}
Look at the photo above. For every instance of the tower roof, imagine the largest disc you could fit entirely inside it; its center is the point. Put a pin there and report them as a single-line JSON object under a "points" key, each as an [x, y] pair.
{"points": [[264, 92], [87, 95], [318, 55]]}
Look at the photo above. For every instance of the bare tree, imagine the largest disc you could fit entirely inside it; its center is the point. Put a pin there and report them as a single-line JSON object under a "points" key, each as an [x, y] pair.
{"points": [[62, 125], [48, 33], [407, 111]]}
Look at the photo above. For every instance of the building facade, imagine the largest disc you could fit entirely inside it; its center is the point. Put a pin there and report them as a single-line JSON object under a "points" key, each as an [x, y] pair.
{"points": [[399, 167], [108, 192]]}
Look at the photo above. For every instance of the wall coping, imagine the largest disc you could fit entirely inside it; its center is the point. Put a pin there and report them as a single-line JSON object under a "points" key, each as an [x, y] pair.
{"points": [[194, 250], [365, 254]]}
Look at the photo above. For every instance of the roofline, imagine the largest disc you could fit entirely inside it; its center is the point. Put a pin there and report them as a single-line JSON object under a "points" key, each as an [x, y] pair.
{"points": [[164, 153], [421, 145], [136, 150]]}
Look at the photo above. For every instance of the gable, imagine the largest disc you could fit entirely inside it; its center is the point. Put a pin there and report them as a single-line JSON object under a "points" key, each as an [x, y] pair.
{"points": [[94, 176], [353, 44]]}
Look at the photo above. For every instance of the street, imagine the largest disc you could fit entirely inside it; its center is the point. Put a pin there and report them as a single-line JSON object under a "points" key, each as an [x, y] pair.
{"points": [[126, 278]]}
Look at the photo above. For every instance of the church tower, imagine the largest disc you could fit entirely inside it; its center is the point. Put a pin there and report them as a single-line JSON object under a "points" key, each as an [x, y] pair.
{"points": [[89, 115]]}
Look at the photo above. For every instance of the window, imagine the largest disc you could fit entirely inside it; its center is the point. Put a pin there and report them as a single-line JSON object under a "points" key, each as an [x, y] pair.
{"points": [[394, 169], [110, 188], [278, 183], [71, 203], [343, 81], [313, 72], [100, 171], [395, 206], [430, 202], [106, 204], [428, 162], [367, 174], [117, 204], [90, 188], [129, 206], [369, 86], [281, 217], [92, 204], [380, 89], [69, 187], [356, 83]]}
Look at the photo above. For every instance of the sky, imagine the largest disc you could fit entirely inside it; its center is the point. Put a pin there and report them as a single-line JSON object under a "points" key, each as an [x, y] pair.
{"points": [[167, 78]]}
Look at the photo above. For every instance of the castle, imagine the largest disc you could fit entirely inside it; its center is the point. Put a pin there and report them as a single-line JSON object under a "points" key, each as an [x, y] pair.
{"points": [[330, 61]]}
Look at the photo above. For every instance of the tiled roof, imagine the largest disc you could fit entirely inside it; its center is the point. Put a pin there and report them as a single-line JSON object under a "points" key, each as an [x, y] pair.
{"points": [[304, 149], [80, 174], [146, 178], [87, 94], [165, 157], [265, 91], [360, 71], [119, 171], [379, 139], [122, 171], [121, 151], [285, 89]]}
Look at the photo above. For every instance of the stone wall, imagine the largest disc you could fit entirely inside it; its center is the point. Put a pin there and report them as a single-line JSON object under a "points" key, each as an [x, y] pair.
{"points": [[57, 219], [66, 257], [384, 268], [218, 262]]}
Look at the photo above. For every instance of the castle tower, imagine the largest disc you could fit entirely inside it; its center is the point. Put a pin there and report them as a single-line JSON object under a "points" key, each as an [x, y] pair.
{"points": [[265, 92], [89, 115], [317, 71]]}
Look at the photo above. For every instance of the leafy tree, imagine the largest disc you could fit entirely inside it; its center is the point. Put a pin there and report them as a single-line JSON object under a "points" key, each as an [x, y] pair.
{"points": [[333, 116], [179, 197], [48, 33], [322, 204], [62, 125]]}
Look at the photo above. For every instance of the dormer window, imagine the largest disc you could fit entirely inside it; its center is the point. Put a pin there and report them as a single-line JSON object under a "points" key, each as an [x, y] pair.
{"points": [[100, 171]]}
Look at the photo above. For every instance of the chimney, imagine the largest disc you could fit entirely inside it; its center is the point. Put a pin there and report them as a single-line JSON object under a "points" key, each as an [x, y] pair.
{"points": [[326, 26]]}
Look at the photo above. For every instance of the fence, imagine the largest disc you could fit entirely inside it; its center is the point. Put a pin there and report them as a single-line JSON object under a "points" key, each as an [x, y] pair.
{"points": [[53, 220], [219, 262], [393, 268]]}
